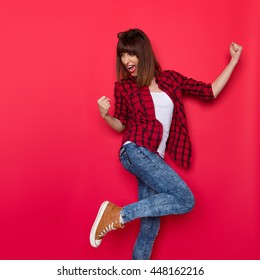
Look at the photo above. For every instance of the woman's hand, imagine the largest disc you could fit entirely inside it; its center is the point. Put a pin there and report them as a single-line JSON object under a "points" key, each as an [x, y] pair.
{"points": [[235, 51], [103, 106], [222, 79]]}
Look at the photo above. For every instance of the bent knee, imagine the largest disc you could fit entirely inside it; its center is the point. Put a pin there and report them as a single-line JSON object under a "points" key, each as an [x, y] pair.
{"points": [[190, 203]]}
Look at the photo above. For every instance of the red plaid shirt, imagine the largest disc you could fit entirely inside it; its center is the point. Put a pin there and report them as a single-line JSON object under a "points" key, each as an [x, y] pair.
{"points": [[135, 109]]}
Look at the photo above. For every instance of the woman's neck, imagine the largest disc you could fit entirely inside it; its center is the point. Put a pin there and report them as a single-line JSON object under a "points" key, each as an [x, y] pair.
{"points": [[154, 86]]}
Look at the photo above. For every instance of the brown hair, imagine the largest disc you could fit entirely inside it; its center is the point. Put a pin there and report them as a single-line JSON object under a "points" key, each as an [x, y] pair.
{"points": [[135, 42]]}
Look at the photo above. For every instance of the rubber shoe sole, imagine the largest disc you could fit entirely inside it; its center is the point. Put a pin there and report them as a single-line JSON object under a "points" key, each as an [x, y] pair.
{"points": [[95, 243]]}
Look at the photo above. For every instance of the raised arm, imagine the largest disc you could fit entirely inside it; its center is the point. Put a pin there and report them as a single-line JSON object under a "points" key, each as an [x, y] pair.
{"points": [[222, 79], [104, 105]]}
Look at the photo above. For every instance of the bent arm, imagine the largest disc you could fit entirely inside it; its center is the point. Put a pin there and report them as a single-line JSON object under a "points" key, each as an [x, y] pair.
{"points": [[222, 79], [114, 123], [104, 105]]}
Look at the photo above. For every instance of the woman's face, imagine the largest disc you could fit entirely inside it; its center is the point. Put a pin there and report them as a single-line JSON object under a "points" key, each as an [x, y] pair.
{"points": [[130, 61]]}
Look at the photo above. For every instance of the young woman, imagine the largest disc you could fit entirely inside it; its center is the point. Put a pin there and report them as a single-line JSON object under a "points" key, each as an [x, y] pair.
{"points": [[149, 110]]}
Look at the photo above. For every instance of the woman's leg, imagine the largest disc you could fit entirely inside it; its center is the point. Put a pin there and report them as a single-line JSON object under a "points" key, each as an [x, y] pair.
{"points": [[172, 196], [149, 228]]}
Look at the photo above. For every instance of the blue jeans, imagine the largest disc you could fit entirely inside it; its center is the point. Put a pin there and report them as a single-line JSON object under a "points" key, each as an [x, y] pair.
{"points": [[160, 192]]}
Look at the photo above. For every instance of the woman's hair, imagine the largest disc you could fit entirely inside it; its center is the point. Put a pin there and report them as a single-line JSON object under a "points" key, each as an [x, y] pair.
{"points": [[135, 42]]}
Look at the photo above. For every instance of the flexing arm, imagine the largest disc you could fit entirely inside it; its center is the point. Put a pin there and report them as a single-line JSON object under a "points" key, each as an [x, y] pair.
{"points": [[104, 105], [222, 79]]}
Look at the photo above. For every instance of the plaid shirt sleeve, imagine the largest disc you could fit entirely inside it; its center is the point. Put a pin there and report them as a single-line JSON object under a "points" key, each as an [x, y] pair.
{"points": [[120, 104], [198, 89]]}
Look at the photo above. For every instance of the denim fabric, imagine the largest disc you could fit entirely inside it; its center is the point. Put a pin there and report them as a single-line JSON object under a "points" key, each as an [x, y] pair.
{"points": [[160, 192]]}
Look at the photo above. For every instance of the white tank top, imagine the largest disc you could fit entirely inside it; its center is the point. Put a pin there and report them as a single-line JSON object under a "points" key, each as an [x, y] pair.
{"points": [[163, 106]]}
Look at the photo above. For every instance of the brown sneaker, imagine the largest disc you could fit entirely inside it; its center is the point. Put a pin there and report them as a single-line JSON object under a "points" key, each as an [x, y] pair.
{"points": [[107, 219]]}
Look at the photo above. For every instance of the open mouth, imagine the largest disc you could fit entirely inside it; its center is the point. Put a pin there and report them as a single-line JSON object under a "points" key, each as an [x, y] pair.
{"points": [[131, 68]]}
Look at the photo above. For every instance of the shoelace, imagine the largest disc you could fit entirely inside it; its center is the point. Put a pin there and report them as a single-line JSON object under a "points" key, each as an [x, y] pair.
{"points": [[108, 228]]}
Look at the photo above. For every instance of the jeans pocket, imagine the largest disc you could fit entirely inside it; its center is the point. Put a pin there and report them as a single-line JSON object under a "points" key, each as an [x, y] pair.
{"points": [[124, 158]]}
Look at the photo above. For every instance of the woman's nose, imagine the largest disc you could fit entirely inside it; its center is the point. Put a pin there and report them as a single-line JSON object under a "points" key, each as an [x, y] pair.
{"points": [[125, 59]]}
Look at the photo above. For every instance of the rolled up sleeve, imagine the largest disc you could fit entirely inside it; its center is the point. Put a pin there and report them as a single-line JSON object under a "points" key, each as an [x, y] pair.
{"points": [[198, 89]]}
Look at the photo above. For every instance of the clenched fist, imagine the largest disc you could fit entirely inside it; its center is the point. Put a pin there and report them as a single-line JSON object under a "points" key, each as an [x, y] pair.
{"points": [[104, 105], [235, 51]]}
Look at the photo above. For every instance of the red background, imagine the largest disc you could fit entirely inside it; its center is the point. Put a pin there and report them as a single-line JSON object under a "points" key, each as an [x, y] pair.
{"points": [[58, 158]]}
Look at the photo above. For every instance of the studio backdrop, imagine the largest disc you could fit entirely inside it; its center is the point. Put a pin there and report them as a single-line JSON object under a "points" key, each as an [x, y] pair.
{"points": [[59, 159]]}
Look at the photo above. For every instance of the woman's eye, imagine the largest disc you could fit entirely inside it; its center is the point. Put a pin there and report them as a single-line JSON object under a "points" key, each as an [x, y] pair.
{"points": [[129, 54]]}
